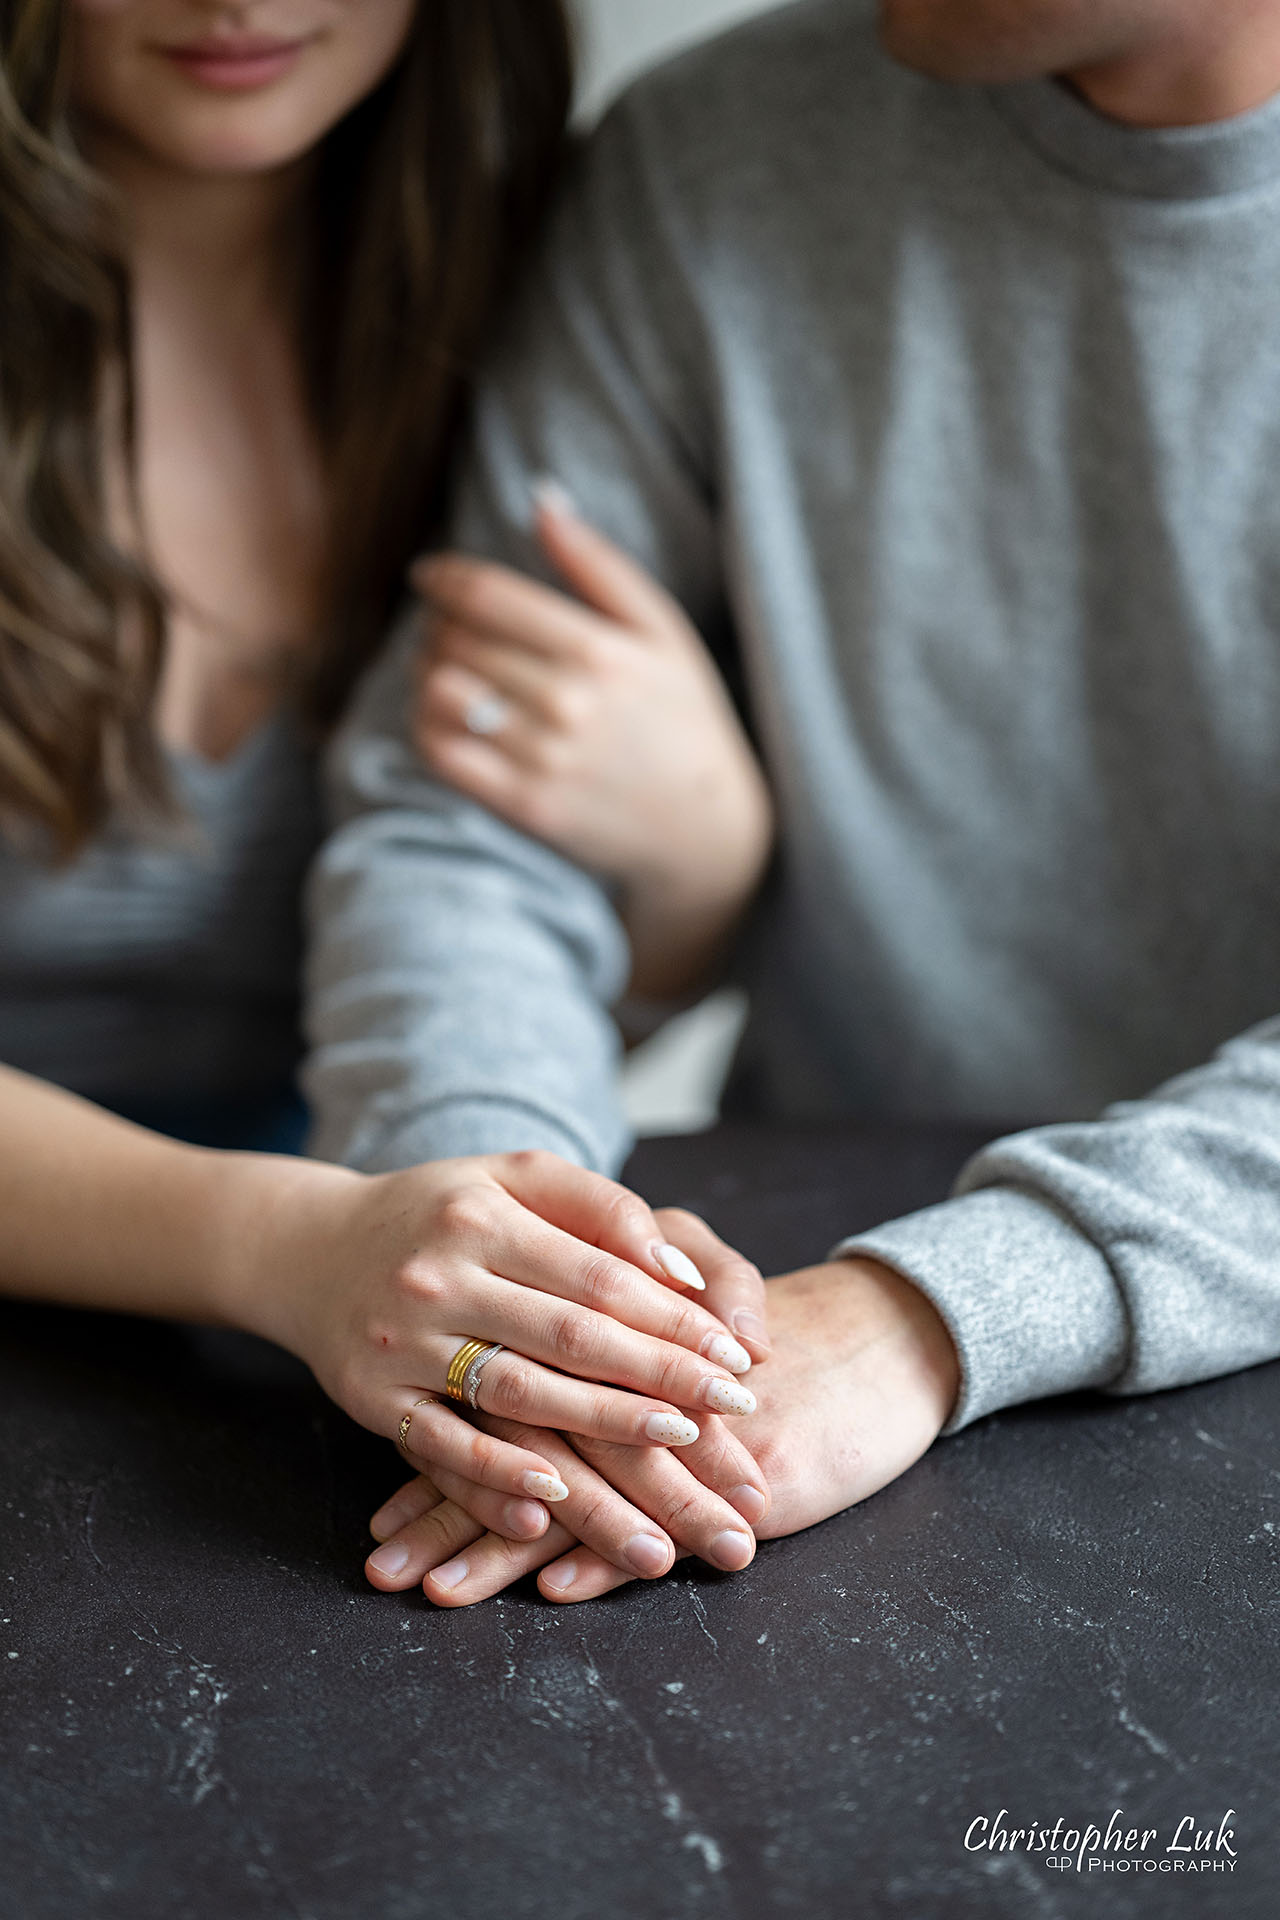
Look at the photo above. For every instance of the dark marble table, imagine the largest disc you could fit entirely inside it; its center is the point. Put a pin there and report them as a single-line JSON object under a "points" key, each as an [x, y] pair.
{"points": [[205, 1714]]}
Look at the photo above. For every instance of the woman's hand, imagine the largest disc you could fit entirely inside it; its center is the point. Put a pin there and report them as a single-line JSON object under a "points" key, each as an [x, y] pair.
{"points": [[377, 1282], [599, 724], [697, 1499]]}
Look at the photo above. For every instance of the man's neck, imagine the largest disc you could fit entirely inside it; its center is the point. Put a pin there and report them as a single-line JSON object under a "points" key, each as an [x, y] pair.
{"points": [[1224, 62]]}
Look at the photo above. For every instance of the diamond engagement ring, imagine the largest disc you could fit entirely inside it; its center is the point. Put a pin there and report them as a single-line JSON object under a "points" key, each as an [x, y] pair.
{"points": [[487, 713]]}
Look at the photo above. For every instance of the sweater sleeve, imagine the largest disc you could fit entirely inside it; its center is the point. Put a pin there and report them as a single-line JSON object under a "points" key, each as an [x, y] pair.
{"points": [[1137, 1251], [460, 974]]}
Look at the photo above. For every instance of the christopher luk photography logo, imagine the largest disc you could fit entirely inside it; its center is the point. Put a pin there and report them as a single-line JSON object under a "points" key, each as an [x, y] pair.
{"points": [[1188, 1844]]}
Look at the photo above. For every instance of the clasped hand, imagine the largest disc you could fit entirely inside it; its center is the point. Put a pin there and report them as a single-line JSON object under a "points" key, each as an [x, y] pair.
{"points": [[377, 1282], [862, 1376]]}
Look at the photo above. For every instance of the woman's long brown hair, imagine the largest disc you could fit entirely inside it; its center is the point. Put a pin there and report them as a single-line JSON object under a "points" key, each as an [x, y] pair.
{"points": [[421, 206]]}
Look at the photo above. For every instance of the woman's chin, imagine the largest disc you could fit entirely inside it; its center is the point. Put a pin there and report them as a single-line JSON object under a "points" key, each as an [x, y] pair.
{"points": [[233, 149]]}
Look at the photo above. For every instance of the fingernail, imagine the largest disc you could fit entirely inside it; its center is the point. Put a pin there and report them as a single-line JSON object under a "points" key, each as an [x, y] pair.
{"points": [[549, 494], [750, 1326], [391, 1560], [452, 1574], [558, 1578], [726, 1352], [544, 1486], [525, 1517], [731, 1550], [646, 1554], [726, 1396], [749, 1501], [678, 1266], [672, 1429]]}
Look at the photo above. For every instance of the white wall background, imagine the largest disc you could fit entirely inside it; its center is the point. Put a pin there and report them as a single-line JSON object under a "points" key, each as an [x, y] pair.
{"points": [[672, 1082], [620, 37]]}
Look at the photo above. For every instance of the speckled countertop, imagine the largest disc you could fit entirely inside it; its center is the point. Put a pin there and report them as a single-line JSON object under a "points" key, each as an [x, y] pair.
{"points": [[205, 1714]]}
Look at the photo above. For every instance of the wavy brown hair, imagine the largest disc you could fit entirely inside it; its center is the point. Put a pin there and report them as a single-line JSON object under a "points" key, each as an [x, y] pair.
{"points": [[421, 205]]}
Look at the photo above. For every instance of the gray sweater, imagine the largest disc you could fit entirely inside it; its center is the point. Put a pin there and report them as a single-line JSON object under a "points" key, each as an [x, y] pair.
{"points": [[159, 971], [953, 418]]}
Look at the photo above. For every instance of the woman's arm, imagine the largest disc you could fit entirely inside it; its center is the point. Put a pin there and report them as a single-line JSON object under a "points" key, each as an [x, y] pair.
{"points": [[375, 1281], [95, 1212]]}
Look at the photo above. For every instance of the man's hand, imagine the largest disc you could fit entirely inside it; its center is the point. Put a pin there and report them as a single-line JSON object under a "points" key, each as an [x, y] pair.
{"points": [[862, 1377]]}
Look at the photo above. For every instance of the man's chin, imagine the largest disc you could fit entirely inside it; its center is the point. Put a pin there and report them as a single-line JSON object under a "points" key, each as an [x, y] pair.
{"points": [[927, 36]]}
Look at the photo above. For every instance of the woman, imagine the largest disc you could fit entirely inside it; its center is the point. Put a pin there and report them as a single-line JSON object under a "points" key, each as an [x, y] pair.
{"points": [[248, 247]]}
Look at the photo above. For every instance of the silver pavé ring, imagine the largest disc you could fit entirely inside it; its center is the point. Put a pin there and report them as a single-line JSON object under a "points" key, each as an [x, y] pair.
{"points": [[471, 1378]]}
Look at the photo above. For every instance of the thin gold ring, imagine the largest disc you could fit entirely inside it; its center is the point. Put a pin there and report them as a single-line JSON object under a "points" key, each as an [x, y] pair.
{"points": [[407, 1422]]}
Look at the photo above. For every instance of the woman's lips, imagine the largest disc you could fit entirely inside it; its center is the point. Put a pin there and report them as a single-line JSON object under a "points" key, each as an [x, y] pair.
{"points": [[234, 65]]}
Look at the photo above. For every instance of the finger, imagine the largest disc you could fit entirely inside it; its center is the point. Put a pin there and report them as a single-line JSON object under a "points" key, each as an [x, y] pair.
{"points": [[597, 570], [438, 1438], [543, 691], [638, 1522], [492, 599], [598, 1514], [451, 698], [544, 1318], [518, 1389], [408, 1503], [479, 767], [581, 1575], [597, 1210], [512, 1519], [422, 1546], [661, 1486], [717, 1458], [492, 1563], [736, 1290]]}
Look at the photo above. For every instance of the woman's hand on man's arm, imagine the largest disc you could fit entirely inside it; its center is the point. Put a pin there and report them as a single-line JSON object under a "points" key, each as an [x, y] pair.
{"points": [[596, 720]]}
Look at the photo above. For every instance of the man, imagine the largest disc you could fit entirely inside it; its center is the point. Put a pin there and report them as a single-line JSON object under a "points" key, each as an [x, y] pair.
{"points": [[956, 409]]}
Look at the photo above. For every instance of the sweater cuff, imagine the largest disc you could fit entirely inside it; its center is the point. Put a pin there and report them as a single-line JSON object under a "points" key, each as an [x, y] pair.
{"points": [[1029, 1301], [450, 1129]]}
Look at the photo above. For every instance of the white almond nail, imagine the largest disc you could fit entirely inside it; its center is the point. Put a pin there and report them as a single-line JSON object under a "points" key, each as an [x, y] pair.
{"points": [[672, 1429], [726, 1352], [678, 1266], [549, 493], [726, 1396], [545, 1486]]}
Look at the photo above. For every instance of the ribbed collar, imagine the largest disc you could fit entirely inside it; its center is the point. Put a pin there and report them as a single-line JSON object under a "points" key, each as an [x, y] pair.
{"points": [[1155, 163]]}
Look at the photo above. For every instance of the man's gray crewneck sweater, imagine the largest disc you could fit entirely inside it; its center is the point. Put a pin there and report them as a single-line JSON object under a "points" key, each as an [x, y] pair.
{"points": [[954, 416]]}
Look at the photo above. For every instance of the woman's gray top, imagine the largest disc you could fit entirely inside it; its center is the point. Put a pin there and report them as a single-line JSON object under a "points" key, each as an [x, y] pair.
{"points": [[163, 966]]}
